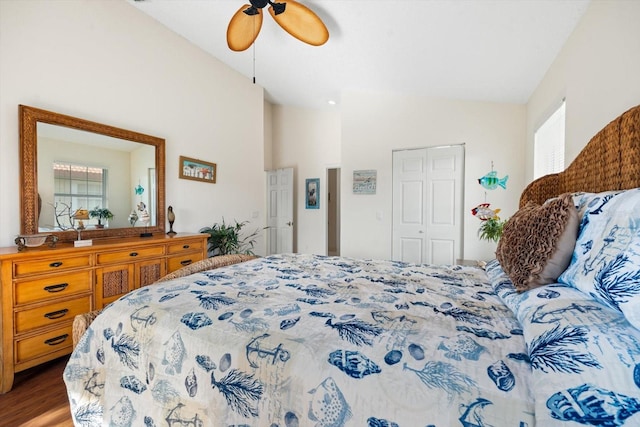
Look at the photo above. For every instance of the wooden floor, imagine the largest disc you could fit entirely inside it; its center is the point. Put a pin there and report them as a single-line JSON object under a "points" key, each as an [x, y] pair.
{"points": [[38, 398]]}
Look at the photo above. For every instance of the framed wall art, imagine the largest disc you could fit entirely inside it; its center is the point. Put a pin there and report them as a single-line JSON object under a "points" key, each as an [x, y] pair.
{"points": [[197, 170], [364, 181], [312, 191]]}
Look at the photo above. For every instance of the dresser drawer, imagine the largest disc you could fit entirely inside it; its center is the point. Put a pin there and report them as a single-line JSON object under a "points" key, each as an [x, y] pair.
{"points": [[61, 285], [50, 265], [130, 255], [175, 263], [51, 314], [43, 344], [195, 245]]}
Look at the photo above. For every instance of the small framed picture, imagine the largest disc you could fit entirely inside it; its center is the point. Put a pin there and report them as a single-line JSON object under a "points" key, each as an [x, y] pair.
{"points": [[364, 181], [197, 170], [312, 190]]}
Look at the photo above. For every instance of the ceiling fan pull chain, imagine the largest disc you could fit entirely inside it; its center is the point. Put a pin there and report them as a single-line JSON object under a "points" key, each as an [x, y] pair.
{"points": [[254, 60]]}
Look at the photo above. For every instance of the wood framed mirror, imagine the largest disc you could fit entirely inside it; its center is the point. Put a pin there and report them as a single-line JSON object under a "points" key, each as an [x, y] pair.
{"points": [[68, 164]]}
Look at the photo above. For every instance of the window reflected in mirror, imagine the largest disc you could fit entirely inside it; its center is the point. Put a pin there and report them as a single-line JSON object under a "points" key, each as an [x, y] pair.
{"points": [[76, 187], [84, 170]]}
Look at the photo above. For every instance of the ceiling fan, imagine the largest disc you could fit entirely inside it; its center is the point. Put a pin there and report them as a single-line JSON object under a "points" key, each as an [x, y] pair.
{"points": [[295, 18]]}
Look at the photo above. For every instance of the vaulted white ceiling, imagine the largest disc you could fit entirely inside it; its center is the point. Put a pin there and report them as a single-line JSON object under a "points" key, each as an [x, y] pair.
{"points": [[487, 50]]}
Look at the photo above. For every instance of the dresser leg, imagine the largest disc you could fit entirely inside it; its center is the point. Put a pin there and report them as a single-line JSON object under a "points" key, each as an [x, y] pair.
{"points": [[6, 380]]}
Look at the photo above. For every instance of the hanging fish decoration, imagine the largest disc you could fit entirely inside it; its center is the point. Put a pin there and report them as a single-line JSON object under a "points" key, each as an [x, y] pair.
{"points": [[491, 181], [483, 212]]}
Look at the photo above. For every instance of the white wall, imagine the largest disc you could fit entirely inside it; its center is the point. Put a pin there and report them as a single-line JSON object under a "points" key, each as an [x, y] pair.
{"points": [[598, 70], [309, 142], [369, 127], [106, 61], [373, 125]]}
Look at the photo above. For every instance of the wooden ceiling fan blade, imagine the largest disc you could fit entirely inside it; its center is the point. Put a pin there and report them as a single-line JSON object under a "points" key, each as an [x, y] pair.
{"points": [[301, 22], [243, 28]]}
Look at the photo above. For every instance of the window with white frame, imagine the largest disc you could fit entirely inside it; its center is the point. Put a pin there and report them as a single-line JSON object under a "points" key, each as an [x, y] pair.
{"points": [[548, 151]]}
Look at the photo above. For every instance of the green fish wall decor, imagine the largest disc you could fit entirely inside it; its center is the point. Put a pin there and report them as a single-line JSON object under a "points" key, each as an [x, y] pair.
{"points": [[491, 181]]}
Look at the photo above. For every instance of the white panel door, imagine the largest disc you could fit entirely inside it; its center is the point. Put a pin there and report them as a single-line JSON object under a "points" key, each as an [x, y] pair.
{"points": [[427, 204], [409, 192], [445, 177], [280, 211]]}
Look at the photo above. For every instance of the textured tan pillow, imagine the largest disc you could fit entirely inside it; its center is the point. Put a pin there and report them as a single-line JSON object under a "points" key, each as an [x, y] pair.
{"points": [[538, 241]]}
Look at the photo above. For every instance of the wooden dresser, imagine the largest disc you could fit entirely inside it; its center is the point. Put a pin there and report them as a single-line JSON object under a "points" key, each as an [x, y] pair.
{"points": [[43, 289]]}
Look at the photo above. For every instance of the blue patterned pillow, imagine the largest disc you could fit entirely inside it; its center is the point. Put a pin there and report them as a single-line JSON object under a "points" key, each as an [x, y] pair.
{"points": [[584, 356], [606, 260]]}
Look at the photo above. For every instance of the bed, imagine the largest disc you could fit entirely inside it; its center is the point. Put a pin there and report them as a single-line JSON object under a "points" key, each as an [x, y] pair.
{"points": [[307, 340]]}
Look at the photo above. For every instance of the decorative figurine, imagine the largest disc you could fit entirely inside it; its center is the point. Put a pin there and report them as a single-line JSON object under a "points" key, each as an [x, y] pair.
{"points": [[133, 218], [171, 217], [491, 181]]}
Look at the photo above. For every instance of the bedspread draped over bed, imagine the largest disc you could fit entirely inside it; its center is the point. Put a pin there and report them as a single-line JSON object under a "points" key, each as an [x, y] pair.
{"points": [[304, 340]]}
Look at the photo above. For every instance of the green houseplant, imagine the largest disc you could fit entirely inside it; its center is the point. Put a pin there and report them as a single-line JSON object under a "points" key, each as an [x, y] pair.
{"points": [[225, 239], [101, 214], [491, 229]]}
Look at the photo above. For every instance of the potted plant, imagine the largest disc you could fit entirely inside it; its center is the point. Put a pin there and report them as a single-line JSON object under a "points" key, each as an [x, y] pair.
{"points": [[225, 239], [491, 229], [101, 214]]}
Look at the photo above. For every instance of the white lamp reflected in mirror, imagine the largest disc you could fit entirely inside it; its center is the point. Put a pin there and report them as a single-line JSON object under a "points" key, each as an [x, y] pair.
{"points": [[81, 215]]}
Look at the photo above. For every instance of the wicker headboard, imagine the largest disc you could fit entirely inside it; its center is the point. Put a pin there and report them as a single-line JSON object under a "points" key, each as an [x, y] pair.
{"points": [[610, 161]]}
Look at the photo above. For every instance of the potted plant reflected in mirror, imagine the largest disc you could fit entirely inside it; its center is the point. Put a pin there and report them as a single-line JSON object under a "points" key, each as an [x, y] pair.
{"points": [[102, 214]]}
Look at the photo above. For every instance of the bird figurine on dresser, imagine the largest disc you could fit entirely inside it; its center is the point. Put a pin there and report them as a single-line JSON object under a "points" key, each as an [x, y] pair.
{"points": [[171, 217]]}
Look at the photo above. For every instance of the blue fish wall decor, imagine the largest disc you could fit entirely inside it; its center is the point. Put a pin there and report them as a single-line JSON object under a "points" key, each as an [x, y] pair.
{"points": [[491, 181]]}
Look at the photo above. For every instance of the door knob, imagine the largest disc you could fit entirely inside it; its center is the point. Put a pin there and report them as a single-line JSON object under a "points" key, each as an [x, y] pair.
{"points": [[290, 223]]}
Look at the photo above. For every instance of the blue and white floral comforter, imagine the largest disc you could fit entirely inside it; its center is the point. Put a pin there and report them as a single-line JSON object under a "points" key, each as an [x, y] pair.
{"points": [[303, 340]]}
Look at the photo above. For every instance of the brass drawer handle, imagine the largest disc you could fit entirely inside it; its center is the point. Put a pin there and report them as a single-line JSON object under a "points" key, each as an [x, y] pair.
{"points": [[57, 340], [57, 314], [56, 288], [185, 262], [186, 247], [133, 254], [55, 264]]}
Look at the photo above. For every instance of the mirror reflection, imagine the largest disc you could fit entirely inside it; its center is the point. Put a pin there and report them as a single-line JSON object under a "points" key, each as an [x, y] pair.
{"points": [[84, 174]]}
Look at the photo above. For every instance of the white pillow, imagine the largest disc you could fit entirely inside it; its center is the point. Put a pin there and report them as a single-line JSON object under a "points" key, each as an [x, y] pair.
{"points": [[606, 259]]}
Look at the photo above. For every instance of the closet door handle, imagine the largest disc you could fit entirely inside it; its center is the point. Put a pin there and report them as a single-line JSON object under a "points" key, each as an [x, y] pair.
{"points": [[57, 340], [57, 314], [56, 288]]}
